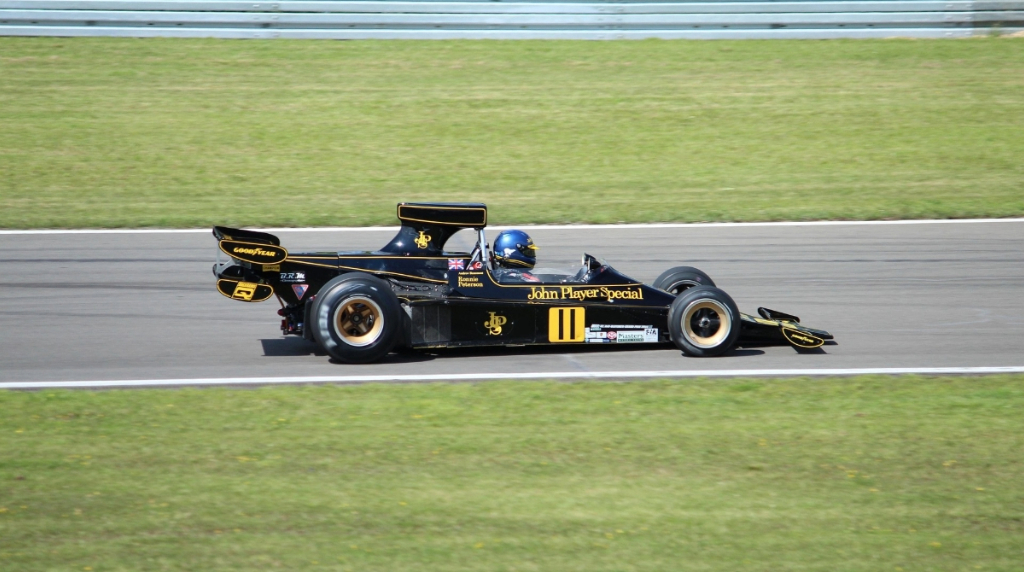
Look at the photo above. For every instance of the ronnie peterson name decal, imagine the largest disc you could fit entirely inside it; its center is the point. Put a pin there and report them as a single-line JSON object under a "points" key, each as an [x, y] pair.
{"points": [[576, 293]]}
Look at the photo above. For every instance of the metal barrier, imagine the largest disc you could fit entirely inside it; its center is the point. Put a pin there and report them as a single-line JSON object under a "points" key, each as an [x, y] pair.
{"points": [[537, 19]]}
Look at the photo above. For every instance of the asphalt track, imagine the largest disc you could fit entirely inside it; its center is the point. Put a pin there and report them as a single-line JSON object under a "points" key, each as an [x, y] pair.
{"points": [[142, 306]]}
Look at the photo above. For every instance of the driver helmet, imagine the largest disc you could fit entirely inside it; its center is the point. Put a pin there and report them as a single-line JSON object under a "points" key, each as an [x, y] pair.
{"points": [[515, 249]]}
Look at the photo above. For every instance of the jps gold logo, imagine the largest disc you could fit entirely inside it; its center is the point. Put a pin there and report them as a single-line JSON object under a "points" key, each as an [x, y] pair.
{"points": [[423, 240], [495, 323]]}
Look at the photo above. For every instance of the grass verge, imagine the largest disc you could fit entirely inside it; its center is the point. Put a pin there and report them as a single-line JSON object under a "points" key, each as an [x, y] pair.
{"points": [[100, 132], [867, 473]]}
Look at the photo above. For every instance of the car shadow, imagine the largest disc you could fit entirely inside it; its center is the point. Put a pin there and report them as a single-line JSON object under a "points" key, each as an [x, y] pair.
{"points": [[298, 347], [291, 346], [455, 353], [744, 352], [395, 357], [499, 351], [811, 351]]}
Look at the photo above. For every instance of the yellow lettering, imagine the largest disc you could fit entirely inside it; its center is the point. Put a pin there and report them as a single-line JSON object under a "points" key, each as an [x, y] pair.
{"points": [[625, 294], [543, 293]]}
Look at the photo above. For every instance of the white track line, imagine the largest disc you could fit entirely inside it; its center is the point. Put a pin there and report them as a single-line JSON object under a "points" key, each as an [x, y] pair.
{"points": [[513, 376], [695, 225]]}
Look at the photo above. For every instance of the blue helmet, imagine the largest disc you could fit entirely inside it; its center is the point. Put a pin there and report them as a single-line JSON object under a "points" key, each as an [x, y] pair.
{"points": [[515, 249]]}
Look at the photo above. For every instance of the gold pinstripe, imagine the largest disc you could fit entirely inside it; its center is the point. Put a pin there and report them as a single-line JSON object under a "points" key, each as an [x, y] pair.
{"points": [[368, 271], [400, 217]]}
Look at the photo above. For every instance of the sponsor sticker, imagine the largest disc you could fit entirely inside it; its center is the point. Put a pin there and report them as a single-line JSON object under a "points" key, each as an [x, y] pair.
{"points": [[456, 264], [271, 267], [634, 337], [300, 290], [622, 334], [244, 291], [644, 336], [293, 277]]}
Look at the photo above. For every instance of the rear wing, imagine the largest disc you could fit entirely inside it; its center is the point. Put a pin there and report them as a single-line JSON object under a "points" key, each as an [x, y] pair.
{"points": [[459, 215], [249, 245], [227, 233]]}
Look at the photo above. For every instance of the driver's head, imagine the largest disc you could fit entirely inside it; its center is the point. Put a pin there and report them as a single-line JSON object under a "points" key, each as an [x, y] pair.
{"points": [[515, 249]]}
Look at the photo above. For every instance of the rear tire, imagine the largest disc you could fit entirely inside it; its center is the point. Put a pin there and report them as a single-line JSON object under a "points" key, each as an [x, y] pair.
{"points": [[704, 321], [677, 280], [356, 318]]}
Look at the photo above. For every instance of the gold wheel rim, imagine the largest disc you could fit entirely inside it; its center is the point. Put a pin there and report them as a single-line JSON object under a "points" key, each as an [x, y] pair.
{"points": [[706, 323], [358, 321]]}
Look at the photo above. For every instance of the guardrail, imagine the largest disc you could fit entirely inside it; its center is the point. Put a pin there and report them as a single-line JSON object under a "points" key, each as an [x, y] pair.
{"points": [[537, 19]]}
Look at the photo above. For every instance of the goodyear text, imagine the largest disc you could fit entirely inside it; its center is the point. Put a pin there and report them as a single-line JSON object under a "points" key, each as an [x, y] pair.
{"points": [[253, 251]]}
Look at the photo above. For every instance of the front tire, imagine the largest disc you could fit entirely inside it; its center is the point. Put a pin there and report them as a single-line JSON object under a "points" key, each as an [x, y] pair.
{"points": [[677, 280], [356, 318], [704, 321]]}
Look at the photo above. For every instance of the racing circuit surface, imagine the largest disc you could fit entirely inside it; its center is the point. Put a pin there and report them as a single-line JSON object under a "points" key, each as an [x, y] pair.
{"points": [[82, 307]]}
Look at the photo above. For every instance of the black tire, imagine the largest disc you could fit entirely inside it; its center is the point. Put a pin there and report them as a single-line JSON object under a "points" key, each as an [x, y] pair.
{"points": [[704, 321], [356, 318], [677, 280]]}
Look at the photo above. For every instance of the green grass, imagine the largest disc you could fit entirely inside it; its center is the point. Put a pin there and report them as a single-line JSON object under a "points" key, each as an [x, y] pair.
{"points": [[171, 132], [865, 474]]}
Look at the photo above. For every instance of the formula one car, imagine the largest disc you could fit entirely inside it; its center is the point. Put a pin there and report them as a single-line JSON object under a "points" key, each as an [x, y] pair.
{"points": [[359, 306]]}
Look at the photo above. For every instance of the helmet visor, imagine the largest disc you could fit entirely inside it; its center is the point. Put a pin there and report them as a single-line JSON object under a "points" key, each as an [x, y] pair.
{"points": [[528, 250]]}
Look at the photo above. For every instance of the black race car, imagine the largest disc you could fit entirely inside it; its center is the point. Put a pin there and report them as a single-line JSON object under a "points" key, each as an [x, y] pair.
{"points": [[359, 306]]}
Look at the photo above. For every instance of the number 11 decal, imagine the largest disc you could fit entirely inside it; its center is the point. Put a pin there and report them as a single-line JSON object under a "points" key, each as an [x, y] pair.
{"points": [[566, 325]]}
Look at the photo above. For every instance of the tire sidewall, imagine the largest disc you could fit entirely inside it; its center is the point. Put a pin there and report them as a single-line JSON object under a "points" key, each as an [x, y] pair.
{"points": [[337, 292], [673, 277], [677, 312]]}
